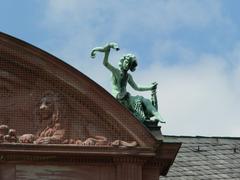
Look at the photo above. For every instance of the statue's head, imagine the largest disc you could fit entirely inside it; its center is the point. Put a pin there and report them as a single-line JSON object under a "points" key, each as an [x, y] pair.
{"points": [[128, 62]]}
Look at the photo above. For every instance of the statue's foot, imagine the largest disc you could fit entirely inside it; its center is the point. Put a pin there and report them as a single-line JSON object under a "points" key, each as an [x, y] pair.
{"points": [[154, 119], [162, 121]]}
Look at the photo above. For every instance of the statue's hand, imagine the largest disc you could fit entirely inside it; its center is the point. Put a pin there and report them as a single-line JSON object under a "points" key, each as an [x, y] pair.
{"points": [[113, 45], [154, 86], [93, 53], [105, 49]]}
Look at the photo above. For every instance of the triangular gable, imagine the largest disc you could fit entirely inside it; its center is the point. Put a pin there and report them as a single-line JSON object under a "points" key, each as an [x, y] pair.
{"points": [[28, 74]]}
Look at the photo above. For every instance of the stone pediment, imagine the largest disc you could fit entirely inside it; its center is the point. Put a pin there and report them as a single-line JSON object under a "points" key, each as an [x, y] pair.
{"points": [[29, 76], [46, 101]]}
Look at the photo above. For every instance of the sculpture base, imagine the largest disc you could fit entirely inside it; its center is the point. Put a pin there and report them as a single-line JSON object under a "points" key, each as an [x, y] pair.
{"points": [[152, 125]]}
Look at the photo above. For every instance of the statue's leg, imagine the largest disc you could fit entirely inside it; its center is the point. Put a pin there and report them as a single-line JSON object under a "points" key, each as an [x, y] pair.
{"points": [[152, 110], [136, 106]]}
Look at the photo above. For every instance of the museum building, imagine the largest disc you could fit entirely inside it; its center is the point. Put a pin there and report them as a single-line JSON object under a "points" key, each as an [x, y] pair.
{"points": [[57, 124]]}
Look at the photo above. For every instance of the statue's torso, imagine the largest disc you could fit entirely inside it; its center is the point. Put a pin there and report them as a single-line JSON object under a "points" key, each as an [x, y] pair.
{"points": [[119, 83]]}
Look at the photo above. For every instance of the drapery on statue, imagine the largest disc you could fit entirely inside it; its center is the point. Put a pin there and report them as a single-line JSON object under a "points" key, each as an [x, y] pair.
{"points": [[142, 108]]}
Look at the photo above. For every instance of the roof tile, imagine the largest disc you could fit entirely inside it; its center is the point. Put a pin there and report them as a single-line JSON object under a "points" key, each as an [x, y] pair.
{"points": [[205, 158]]}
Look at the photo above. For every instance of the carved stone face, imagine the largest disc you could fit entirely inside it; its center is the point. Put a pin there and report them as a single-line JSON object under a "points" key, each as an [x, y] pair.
{"points": [[46, 107], [126, 65]]}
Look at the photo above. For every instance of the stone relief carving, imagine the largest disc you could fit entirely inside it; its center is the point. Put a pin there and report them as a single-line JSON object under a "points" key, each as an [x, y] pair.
{"points": [[52, 128], [7, 135]]}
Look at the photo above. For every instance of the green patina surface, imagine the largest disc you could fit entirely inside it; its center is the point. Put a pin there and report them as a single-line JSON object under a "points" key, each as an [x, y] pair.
{"points": [[144, 109]]}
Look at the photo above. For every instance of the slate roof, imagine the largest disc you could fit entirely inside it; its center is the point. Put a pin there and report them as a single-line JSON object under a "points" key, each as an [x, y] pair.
{"points": [[205, 158]]}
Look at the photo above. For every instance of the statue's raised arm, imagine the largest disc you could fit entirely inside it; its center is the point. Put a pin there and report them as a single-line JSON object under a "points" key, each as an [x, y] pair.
{"points": [[106, 50]]}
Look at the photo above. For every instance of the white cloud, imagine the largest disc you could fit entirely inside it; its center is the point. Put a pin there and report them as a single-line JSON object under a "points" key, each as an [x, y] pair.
{"points": [[113, 18], [172, 52], [197, 99]]}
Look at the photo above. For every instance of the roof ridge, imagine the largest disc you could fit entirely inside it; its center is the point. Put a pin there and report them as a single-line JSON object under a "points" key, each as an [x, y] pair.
{"points": [[203, 137]]}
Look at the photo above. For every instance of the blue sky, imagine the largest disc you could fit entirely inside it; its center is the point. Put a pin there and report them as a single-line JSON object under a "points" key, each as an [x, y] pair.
{"points": [[190, 47]]}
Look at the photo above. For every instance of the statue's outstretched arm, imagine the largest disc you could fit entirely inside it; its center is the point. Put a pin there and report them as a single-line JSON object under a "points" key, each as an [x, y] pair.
{"points": [[137, 88], [106, 50]]}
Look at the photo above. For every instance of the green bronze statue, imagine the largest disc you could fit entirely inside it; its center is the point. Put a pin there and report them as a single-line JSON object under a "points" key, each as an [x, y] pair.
{"points": [[142, 108]]}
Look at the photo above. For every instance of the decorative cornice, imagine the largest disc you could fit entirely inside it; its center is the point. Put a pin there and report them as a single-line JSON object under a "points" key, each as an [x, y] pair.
{"points": [[60, 149]]}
